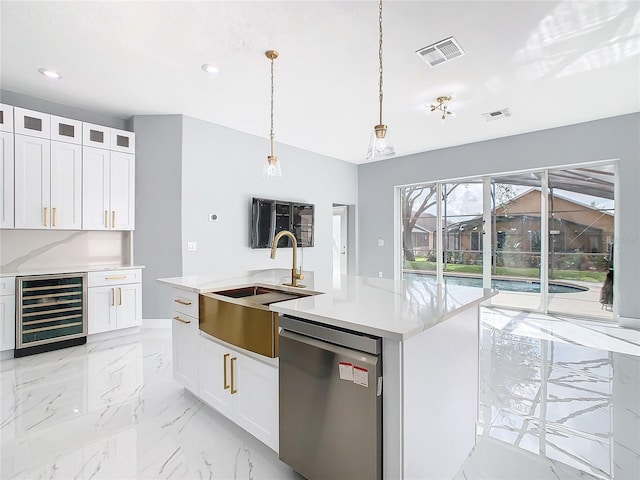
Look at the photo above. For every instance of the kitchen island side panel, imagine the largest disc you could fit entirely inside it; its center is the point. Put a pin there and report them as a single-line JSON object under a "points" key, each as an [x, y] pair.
{"points": [[440, 400]]}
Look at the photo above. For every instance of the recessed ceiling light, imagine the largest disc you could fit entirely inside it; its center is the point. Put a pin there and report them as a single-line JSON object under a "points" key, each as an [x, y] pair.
{"points": [[47, 72], [212, 69]]}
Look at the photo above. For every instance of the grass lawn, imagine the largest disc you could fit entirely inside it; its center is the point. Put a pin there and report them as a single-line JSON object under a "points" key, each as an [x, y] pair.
{"points": [[580, 275]]}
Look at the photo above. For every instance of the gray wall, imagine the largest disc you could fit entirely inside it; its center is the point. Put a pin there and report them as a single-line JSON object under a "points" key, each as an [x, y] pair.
{"points": [[611, 138], [158, 236], [220, 170]]}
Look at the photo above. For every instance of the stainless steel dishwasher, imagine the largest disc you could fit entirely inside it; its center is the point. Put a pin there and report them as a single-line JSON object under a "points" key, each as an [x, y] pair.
{"points": [[330, 401]]}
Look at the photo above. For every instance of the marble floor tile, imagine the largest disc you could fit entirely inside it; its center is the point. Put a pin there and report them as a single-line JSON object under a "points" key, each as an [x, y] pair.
{"points": [[111, 410], [559, 398]]}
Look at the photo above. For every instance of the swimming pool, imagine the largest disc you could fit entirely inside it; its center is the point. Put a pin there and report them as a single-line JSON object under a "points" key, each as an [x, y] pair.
{"points": [[506, 285]]}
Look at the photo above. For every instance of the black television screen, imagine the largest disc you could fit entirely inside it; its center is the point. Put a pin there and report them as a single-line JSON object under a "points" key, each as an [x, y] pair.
{"points": [[268, 217]]}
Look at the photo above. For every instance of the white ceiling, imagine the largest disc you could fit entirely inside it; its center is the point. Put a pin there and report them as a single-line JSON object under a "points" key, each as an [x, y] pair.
{"points": [[552, 63]]}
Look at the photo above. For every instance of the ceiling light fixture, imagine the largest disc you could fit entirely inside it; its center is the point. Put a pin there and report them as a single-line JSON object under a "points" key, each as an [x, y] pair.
{"points": [[379, 146], [212, 69], [47, 72], [272, 167], [442, 106]]}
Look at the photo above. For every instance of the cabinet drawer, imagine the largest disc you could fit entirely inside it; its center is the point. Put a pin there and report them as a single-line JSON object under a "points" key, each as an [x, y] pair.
{"points": [[29, 122], [185, 302], [66, 130], [114, 277], [123, 141], [96, 135], [7, 285], [186, 320], [6, 118]]}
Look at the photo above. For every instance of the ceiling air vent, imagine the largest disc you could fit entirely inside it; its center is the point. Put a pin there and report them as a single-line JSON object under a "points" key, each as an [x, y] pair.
{"points": [[498, 114], [441, 51]]}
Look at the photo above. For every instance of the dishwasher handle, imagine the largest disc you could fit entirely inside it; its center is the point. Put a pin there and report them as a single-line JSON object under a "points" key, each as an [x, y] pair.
{"points": [[343, 337]]}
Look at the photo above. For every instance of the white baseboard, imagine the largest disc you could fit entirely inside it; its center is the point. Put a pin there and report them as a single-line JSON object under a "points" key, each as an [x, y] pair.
{"points": [[629, 322], [98, 337], [156, 323]]}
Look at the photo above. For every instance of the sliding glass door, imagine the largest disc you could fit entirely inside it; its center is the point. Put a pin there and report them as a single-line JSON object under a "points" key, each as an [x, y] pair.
{"points": [[548, 235]]}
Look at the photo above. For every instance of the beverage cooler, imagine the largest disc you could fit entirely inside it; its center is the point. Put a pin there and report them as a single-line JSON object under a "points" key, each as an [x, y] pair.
{"points": [[51, 312]]}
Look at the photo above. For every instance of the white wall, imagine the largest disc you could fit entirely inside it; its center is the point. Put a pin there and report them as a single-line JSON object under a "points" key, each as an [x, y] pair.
{"points": [[611, 138], [221, 170]]}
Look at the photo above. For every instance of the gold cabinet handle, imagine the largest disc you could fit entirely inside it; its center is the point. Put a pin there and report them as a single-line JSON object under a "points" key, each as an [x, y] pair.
{"points": [[182, 321], [113, 297], [46, 216], [182, 302], [116, 277], [226, 380], [233, 388], [113, 219], [55, 216], [106, 219], [120, 296]]}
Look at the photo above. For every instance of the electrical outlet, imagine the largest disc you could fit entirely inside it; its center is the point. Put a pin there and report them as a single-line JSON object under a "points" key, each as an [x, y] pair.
{"points": [[380, 274], [192, 246], [213, 217], [380, 242]]}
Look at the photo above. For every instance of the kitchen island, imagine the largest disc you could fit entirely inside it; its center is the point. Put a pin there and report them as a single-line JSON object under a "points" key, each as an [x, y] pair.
{"points": [[430, 357]]}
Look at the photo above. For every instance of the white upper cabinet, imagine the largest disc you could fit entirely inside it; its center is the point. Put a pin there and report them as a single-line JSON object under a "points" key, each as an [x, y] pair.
{"points": [[6, 118], [32, 182], [48, 184], [66, 130], [108, 190], [29, 122], [96, 136], [66, 186], [123, 141], [6, 180], [122, 191], [60, 173]]}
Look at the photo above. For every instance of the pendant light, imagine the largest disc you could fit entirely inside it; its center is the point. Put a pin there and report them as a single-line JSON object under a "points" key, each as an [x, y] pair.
{"points": [[379, 146], [272, 167]]}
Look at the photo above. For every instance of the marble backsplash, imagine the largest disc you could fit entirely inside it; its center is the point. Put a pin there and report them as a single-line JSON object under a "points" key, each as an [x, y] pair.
{"points": [[22, 250]]}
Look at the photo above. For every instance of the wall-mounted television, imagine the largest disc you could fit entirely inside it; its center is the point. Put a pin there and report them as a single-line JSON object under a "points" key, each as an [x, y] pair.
{"points": [[268, 217]]}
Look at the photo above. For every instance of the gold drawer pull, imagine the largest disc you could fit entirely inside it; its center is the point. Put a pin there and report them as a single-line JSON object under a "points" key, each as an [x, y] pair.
{"points": [[120, 292], [113, 219], [106, 219], [226, 380], [182, 302], [116, 277], [113, 297], [55, 216], [181, 320], [233, 388], [46, 216]]}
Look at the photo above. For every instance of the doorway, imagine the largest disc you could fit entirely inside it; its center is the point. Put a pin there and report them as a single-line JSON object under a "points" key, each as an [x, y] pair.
{"points": [[340, 240]]}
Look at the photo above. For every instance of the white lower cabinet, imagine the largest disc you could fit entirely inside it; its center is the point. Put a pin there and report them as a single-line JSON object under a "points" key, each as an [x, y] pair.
{"points": [[114, 300], [7, 313], [242, 388], [184, 332]]}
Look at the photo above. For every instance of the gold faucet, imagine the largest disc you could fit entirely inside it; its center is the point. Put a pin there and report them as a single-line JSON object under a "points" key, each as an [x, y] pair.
{"points": [[295, 273]]}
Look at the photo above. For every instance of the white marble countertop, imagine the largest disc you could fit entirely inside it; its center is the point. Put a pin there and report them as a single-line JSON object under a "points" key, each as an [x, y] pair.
{"points": [[66, 269], [396, 309]]}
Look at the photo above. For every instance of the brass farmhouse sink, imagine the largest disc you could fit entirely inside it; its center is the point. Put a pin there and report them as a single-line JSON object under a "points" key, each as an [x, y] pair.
{"points": [[241, 316]]}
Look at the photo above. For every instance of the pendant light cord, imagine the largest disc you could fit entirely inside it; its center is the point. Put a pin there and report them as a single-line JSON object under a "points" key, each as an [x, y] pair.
{"points": [[380, 56], [271, 134]]}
